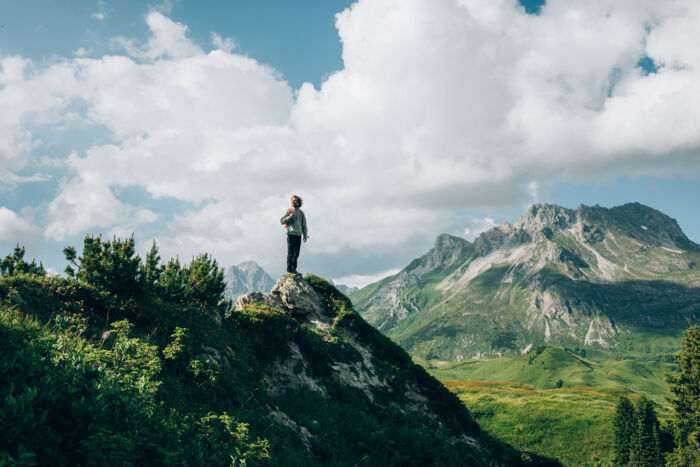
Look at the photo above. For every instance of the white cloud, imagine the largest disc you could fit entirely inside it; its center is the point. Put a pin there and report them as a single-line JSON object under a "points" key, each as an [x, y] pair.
{"points": [[477, 226], [441, 106], [14, 229], [85, 205], [100, 14], [226, 44], [168, 39]]}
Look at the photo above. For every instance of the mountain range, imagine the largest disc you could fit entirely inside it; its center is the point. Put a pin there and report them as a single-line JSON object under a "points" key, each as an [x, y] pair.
{"points": [[246, 277], [622, 279]]}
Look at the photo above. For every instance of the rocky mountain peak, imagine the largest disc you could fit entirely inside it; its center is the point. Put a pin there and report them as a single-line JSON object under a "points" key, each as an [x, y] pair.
{"points": [[446, 250], [249, 266], [449, 243], [542, 215], [246, 277], [640, 222]]}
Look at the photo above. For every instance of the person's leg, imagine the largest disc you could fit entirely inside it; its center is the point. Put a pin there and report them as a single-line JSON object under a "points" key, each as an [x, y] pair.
{"points": [[290, 253], [297, 247]]}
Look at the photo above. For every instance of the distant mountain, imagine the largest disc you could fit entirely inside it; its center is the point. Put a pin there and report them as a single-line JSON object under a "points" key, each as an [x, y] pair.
{"points": [[623, 279], [246, 277], [346, 289]]}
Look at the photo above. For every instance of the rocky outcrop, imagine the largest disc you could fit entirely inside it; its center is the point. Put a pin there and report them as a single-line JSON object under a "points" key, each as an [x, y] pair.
{"points": [[291, 294], [357, 358]]}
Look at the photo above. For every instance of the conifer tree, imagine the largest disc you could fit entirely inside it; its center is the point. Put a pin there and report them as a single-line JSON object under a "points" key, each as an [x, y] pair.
{"points": [[625, 425], [686, 388], [646, 447], [14, 263], [151, 270], [109, 265]]}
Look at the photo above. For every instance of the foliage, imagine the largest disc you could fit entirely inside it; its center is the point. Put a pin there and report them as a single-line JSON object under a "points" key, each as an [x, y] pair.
{"points": [[201, 282], [93, 373], [108, 265], [645, 443], [14, 263], [113, 266], [686, 402], [65, 400], [625, 426], [637, 433]]}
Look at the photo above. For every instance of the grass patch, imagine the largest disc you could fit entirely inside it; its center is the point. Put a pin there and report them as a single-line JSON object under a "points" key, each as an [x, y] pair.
{"points": [[573, 425]]}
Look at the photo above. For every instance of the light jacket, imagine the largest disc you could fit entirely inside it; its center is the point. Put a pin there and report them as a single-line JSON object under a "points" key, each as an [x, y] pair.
{"points": [[295, 225]]}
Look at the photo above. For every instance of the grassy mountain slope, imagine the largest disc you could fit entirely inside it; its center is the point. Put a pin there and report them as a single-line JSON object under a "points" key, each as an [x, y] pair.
{"points": [[623, 279], [91, 376], [572, 424], [543, 367]]}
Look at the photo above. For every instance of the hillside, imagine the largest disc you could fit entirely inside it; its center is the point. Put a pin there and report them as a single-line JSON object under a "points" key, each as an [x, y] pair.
{"points": [[547, 367], [130, 362], [624, 279], [572, 424]]}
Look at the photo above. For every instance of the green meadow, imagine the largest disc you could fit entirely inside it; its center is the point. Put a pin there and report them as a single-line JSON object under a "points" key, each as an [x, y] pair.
{"points": [[552, 401], [573, 425]]}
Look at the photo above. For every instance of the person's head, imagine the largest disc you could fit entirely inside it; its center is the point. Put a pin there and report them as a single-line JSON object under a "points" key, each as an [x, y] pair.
{"points": [[297, 201]]}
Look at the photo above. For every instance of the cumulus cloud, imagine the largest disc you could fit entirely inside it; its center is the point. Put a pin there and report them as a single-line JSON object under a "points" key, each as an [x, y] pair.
{"points": [[14, 229], [441, 106], [168, 39], [226, 44], [88, 205]]}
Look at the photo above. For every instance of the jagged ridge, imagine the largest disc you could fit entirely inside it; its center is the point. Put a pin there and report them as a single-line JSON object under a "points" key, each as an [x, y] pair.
{"points": [[589, 277]]}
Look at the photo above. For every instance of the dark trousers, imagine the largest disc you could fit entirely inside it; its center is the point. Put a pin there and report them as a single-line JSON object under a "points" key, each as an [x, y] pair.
{"points": [[293, 247]]}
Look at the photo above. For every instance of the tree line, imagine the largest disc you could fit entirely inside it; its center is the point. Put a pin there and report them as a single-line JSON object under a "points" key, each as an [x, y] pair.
{"points": [[639, 437]]}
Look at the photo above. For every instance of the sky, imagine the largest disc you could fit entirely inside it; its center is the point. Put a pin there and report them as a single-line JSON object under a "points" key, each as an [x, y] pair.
{"points": [[192, 123]]}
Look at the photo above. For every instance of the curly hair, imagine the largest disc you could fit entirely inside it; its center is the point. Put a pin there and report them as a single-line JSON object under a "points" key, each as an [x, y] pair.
{"points": [[297, 201]]}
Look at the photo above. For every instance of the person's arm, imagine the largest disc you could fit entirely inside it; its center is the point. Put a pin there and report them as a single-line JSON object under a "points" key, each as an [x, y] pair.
{"points": [[303, 226], [288, 216]]}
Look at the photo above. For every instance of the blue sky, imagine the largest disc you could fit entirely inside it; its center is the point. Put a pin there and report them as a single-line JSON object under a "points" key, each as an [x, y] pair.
{"points": [[381, 122]]}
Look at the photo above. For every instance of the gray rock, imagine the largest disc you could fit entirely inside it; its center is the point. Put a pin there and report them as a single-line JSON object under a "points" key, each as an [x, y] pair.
{"points": [[291, 294]]}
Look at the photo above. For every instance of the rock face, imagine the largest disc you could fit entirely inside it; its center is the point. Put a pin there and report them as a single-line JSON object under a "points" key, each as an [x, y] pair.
{"points": [[606, 278], [356, 359], [290, 294], [246, 277]]}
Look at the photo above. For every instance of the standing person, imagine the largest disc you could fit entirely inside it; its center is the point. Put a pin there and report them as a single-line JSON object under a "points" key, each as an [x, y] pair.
{"points": [[294, 221]]}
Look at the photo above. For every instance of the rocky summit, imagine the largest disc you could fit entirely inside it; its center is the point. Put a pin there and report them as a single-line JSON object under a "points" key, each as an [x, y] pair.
{"points": [[352, 357], [624, 279]]}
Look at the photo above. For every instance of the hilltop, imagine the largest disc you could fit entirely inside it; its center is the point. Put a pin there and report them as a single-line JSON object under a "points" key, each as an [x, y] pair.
{"points": [[624, 279], [135, 362]]}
